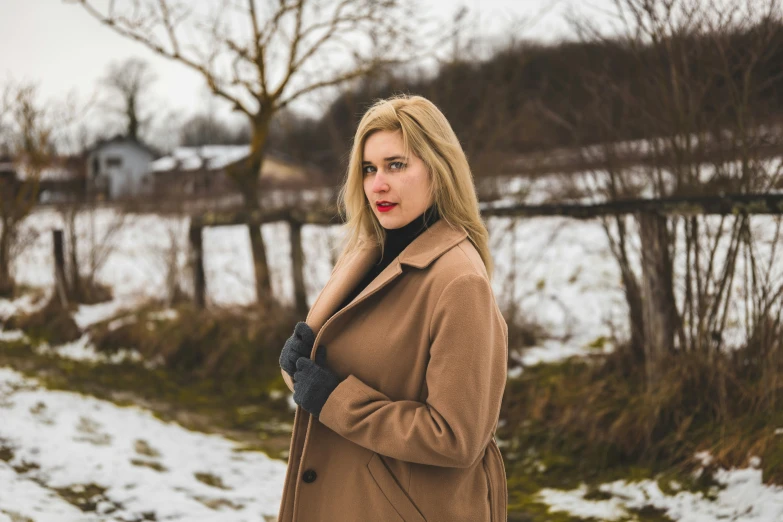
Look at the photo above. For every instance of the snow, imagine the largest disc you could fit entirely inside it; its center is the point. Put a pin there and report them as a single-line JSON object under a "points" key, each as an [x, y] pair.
{"points": [[66, 440], [573, 502], [12, 335], [87, 315], [82, 349], [208, 157], [590, 187], [742, 495], [24, 304]]}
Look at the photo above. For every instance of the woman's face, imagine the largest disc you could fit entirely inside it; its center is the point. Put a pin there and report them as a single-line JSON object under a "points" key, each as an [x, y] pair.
{"points": [[390, 177]]}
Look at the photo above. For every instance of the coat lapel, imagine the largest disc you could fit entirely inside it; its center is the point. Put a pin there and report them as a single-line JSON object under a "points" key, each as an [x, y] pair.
{"points": [[345, 278], [427, 247]]}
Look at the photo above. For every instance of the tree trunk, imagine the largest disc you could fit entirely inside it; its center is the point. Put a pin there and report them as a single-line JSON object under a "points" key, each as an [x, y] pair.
{"points": [[658, 305], [633, 298], [245, 174], [297, 266], [263, 283]]}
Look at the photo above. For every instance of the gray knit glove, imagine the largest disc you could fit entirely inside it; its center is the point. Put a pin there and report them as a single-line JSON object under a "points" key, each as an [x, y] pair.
{"points": [[300, 344], [314, 382]]}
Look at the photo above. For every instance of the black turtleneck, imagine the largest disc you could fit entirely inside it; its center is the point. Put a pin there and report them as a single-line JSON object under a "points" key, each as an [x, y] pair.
{"points": [[396, 241]]}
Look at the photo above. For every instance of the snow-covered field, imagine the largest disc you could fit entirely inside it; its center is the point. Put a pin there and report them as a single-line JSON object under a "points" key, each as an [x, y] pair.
{"points": [[558, 272], [563, 277]]}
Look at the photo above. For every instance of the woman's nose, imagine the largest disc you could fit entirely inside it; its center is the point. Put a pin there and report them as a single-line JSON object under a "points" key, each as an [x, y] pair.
{"points": [[379, 183]]}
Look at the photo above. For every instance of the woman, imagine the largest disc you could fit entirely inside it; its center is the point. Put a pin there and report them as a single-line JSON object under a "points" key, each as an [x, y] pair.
{"points": [[397, 422]]}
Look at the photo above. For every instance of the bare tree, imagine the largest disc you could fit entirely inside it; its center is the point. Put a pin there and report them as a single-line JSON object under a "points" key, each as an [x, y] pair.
{"points": [[130, 81], [262, 56], [701, 71], [208, 129], [27, 134]]}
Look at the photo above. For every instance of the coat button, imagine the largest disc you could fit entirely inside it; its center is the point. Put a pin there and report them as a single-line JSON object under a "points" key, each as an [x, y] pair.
{"points": [[309, 476]]}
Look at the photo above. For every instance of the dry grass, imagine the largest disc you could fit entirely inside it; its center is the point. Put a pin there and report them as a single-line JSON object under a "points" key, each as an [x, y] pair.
{"points": [[223, 344], [601, 409], [52, 323]]}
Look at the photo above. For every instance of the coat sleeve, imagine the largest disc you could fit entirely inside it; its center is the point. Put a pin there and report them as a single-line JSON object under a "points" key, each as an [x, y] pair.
{"points": [[465, 377]]}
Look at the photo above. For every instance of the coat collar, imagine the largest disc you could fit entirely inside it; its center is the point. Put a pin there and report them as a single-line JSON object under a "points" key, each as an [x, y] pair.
{"points": [[426, 248]]}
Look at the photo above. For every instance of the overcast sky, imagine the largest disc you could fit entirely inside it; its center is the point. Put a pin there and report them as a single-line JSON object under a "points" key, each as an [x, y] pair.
{"points": [[63, 49]]}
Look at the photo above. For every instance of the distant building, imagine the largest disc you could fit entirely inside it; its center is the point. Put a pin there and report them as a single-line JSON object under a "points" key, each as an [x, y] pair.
{"points": [[201, 172], [119, 168]]}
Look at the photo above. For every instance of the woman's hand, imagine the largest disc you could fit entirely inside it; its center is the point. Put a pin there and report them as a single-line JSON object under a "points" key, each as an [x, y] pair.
{"points": [[300, 344], [314, 382]]}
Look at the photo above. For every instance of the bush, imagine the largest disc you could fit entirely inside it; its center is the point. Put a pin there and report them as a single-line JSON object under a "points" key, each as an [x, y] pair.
{"points": [[52, 324], [92, 292], [227, 345], [601, 409]]}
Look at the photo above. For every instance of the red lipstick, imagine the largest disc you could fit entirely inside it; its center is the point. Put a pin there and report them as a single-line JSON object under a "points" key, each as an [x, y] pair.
{"points": [[384, 206]]}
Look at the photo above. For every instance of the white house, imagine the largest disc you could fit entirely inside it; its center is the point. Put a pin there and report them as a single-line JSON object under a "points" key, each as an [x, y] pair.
{"points": [[120, 168]]}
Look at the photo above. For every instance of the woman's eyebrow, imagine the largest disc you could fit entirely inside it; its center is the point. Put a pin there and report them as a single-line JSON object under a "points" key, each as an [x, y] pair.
{"points": [[390, 158]]}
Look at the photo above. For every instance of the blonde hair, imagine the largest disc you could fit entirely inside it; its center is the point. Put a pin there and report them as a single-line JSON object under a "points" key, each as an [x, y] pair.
{"points": [[426, 133]]}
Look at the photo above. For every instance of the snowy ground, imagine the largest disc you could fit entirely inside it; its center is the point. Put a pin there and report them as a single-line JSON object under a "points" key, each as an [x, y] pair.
{"points": [[58, 444], [740, 496], [65, 457]]}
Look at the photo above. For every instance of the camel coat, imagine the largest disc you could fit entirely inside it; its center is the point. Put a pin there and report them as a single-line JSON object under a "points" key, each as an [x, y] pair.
{"points": [[408, 435]]}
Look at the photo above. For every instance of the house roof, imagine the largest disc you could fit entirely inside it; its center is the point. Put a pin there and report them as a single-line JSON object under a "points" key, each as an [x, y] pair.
{"points": [[119, 138], [218, 157], [207, 157]]}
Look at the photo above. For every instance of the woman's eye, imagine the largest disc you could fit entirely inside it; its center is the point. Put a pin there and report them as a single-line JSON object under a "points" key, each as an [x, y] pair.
{"points": [[398, 163], [367, 170]]}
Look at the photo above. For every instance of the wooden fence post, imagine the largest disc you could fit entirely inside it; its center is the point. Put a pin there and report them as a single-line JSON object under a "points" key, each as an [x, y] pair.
{"points": [[59, 267], [197, 264], [658, 304], [297, 266]]}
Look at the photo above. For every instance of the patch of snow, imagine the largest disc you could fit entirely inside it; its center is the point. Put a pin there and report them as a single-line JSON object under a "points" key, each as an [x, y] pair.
{"points": [[573, 502], [25, 496], [25, 304], [704, 458], [12, 335], [121, 321], [168, 314], [66, 440], [82, 349], [515, 372], [742, 496], [550, 351], [88, 315]]}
